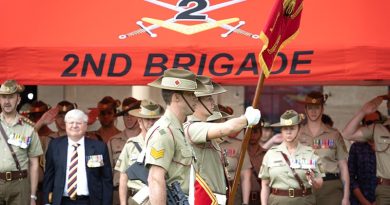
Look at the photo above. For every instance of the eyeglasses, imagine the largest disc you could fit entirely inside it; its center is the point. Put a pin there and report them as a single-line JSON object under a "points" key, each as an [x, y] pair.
{"points": [[75, 123]]}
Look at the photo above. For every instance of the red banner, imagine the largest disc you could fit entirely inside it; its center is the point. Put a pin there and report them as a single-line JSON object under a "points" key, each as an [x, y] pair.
{"points": [[124, 42], [203, 194], [281, 28]]}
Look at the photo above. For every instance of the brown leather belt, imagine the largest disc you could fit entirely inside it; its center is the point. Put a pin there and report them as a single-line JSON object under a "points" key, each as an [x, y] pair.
{"points": [[383, 181], [78, 198], [331, 176], [13, 175], [291, 192]]}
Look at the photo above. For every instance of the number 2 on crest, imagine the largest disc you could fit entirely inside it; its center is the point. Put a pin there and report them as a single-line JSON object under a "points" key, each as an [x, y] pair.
{"points": [[192, 13]]}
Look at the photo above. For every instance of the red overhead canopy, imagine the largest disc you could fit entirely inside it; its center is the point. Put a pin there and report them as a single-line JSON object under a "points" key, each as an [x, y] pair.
{"points": [[77, 42]]}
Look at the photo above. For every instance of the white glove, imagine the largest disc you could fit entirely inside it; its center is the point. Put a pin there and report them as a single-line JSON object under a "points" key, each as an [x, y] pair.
{"points": [[252, 116]]}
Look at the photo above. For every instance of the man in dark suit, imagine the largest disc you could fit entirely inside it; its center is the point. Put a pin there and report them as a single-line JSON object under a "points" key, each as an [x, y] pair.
{"points": [[78, 169]]}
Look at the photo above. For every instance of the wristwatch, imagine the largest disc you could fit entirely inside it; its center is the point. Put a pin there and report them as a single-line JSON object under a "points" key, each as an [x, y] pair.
{"points": [[34, 197]]}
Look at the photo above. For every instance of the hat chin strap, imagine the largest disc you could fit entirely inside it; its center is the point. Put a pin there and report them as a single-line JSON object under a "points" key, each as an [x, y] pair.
{"points": [[188, 104], [200, 100], [143, 125]]}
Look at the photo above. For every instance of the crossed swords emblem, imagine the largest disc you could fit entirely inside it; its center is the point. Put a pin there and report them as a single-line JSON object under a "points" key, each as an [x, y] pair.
{"points": [[209, 22]]}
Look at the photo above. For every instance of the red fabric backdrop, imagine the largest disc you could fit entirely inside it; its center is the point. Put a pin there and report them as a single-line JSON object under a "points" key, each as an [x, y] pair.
{"points": [[76, 42]]}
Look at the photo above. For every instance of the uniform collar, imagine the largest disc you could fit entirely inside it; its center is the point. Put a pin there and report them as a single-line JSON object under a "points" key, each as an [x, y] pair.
{"points": [[192, 118], [306, 131], [124, 136], [283, 148], [138, 139], [173, 120], [17, 120]]}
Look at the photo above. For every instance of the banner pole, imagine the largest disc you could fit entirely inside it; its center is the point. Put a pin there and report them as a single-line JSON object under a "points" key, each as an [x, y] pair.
{"points": [[245, 142]]}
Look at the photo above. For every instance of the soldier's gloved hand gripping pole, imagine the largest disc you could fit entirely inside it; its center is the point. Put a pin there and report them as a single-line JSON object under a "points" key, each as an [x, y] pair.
{"points": [[253, 116]]}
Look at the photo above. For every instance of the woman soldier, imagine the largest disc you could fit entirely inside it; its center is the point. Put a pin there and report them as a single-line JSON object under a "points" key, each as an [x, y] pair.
{"points": [[290, 170]]}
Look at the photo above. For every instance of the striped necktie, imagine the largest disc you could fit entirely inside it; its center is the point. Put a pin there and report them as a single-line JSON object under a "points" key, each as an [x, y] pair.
{"points": [[72, 176]]}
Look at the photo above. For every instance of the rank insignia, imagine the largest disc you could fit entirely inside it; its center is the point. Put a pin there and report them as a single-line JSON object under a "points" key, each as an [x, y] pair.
{"points": [[156, 154]]}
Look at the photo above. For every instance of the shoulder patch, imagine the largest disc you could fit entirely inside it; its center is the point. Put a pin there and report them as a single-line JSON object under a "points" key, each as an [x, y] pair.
{"points": [[156, 154], [162, 132]]}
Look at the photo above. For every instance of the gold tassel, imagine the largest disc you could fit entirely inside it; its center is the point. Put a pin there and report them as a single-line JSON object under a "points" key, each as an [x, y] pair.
{"points": [[288, 7]]}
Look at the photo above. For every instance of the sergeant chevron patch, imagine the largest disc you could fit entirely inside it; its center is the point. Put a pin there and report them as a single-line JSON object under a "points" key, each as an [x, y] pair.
{"points": [[156, 154]]}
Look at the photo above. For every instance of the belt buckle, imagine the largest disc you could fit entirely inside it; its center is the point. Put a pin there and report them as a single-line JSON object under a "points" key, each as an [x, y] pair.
{"points": [[291, 193], [73, 198], [8, 176]]}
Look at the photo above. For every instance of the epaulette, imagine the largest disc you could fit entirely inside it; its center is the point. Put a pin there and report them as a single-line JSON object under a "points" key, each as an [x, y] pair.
{"points": [[164, 123], [27, 121], [330, 130], [162, 131]]}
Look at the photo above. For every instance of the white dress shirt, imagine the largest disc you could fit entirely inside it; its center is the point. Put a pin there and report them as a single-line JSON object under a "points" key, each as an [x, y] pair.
{"points": [[82, 184]]}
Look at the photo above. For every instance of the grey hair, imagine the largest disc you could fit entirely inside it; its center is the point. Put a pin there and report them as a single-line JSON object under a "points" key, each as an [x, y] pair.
{"points": [[76, 114]]}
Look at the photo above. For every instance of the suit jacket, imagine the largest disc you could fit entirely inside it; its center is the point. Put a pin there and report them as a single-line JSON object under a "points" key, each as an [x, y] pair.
{"points": [[99, 178]]}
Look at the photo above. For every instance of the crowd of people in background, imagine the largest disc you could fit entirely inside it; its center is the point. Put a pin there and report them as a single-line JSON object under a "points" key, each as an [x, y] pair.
{"points": [[300, 159]]}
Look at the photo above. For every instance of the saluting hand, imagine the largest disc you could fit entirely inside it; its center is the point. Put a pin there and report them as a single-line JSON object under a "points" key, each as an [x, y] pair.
{"points": [[92, 115], [47, 118], [372, 105], [50, 115]]}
